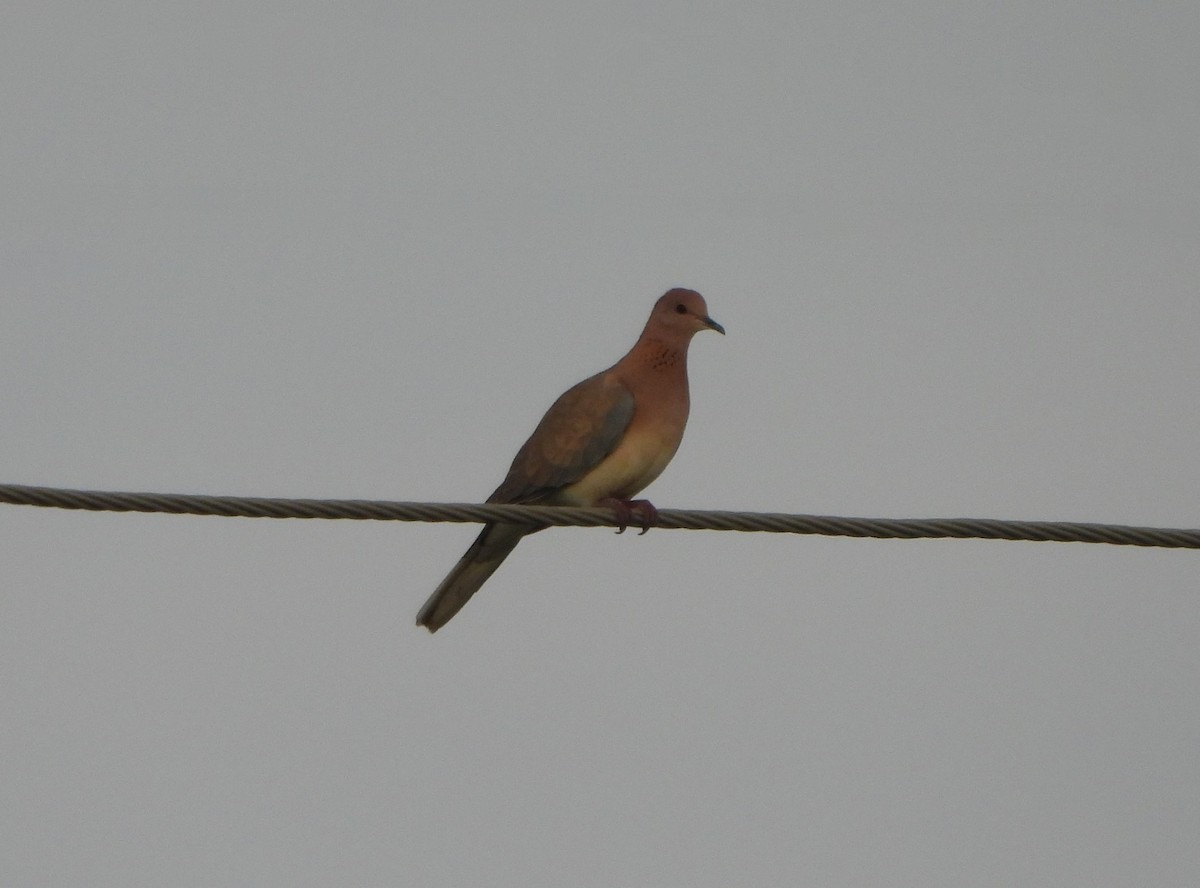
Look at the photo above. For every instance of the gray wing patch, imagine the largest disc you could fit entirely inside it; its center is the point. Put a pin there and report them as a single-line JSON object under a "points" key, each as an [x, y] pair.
{"points": [[579, 430]]}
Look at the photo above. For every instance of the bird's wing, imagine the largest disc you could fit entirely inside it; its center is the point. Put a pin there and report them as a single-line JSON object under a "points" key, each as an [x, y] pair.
{"points": [[581, 428]]}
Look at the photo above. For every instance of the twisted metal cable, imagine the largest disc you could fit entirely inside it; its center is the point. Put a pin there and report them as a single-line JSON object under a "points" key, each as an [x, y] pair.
{"points": [[562, 516]]}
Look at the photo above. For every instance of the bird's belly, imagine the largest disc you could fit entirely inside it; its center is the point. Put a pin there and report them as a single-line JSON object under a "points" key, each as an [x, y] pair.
{"points": [[635, 462]]}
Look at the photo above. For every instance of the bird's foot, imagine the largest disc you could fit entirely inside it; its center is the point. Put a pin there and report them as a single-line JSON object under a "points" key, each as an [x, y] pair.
{"points": [[648, 513], [626, 509]]}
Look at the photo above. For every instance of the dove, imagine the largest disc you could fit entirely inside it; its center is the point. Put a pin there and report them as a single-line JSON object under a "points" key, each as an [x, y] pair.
{"points": [[601, 443]]}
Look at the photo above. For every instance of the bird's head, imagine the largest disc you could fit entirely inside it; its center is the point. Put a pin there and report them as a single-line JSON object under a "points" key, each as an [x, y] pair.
{"points": [[682, 313]]}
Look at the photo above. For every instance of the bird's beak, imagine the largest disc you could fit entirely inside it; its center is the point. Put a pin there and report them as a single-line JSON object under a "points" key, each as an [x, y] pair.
{"points": [[712, 325]]}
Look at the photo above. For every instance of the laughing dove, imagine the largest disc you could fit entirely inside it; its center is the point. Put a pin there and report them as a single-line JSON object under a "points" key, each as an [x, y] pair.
{"points": [[600, 443]]}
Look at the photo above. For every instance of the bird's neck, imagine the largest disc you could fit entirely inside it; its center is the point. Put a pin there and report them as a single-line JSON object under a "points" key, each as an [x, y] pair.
{"points": [[658, 356]]}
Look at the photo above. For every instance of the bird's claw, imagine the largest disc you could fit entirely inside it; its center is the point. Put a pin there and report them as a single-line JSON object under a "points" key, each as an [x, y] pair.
{"points": [[626, 509], [649, 514]]}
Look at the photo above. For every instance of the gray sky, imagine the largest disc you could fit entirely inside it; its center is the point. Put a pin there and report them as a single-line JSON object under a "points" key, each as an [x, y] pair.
{"points": [[285, 250]]}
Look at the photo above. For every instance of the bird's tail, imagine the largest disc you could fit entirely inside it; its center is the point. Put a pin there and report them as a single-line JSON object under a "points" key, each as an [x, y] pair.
{"points": [[486, 554]]}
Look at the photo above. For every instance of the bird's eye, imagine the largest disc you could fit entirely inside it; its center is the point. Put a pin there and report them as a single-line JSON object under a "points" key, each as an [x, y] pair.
{"points": [[681, 309]]}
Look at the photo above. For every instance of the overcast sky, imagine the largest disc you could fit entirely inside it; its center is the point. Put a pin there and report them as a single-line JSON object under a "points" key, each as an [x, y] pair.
{"points": [[356, 250]]}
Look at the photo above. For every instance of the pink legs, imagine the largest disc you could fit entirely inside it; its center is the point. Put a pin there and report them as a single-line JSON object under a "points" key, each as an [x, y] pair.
{"points": [[627, 509]]}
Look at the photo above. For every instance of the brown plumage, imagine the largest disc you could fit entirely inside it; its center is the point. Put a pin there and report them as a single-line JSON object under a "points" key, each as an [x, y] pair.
{"points": [[604, 440]]}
